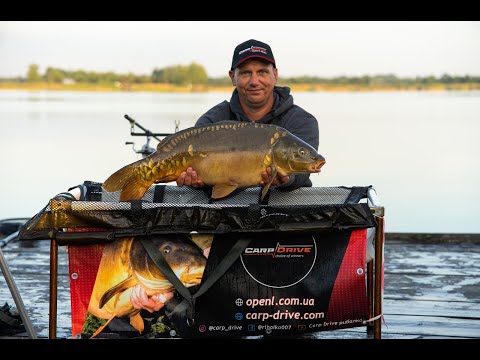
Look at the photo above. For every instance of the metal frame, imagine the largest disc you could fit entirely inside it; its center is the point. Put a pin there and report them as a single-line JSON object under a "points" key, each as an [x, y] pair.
{"points": [[375, 269], [14, 291]]}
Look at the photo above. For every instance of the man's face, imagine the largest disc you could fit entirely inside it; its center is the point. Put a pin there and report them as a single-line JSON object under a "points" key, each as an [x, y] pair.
{"points": [[254, 81]]}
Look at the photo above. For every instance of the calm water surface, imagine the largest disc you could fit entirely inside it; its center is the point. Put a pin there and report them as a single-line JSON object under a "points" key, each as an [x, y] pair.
{"points": [[420, 150]]}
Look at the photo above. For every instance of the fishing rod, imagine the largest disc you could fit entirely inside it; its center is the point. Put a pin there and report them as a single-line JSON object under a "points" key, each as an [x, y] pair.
{"points": [[146, 148]]}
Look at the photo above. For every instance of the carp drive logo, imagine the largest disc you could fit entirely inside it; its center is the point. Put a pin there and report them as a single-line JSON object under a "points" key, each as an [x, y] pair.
{"points": [[280, 250], [281, 262], [253, 49]]}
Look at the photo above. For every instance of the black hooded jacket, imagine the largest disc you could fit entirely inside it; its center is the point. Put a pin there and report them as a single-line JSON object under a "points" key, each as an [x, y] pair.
{"points": [[284, 113]]}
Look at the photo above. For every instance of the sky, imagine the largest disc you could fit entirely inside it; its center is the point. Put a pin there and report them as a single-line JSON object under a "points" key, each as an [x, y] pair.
{"points": [[311, 48]]}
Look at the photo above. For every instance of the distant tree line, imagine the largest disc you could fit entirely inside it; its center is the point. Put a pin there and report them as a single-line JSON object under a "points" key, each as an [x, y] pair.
{"points": [[177, 75], [382, 80], [196, 74]]}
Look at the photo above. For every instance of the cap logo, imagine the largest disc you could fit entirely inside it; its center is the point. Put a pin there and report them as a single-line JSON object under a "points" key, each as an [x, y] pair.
{"points": [[253, 49]]}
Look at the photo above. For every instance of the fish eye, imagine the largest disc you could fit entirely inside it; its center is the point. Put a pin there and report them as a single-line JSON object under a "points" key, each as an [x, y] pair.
{"points": [[302, 151], [166, 249]]}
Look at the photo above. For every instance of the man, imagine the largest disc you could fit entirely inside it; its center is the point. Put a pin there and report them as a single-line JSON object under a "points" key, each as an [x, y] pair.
{"points": [[257, 98]]}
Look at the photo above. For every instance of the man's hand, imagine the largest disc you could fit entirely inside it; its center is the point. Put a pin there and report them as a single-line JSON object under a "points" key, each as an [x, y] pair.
{"points": [[140, 299], [189, 178], [278, 180]]}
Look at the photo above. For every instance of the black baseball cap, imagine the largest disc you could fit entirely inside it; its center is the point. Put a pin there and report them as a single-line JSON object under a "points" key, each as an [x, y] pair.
{"points": [[252, 49]]}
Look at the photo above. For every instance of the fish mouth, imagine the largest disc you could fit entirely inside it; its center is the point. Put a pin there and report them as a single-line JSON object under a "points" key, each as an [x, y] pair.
{"points": [[317, 166], [188, 276], [153, 283], [192, 277]]}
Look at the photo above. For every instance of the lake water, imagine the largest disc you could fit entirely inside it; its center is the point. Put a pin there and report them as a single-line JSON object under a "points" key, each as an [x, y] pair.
{"points": [[420, 150]]}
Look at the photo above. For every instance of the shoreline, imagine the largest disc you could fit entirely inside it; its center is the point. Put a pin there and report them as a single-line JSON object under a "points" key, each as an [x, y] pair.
{"points": [[429, 238], [169, 88]]}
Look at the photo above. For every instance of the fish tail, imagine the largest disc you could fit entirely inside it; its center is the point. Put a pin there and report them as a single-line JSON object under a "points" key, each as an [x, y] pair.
{"points": [[134, 190], [120, 287], [129, 182], [119, 178], [100, 329], [137, 322]]}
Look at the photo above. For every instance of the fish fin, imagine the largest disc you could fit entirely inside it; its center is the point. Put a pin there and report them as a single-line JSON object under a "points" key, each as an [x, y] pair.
{"points": [[166, 179], [120, 287], [137, 322], [165, 141], [267, 186], [222, 190], [100, 329], [133, 190], [126, 179]]}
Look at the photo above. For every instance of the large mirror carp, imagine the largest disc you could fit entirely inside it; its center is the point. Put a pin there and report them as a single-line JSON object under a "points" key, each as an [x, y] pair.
{"points": [[226, 155]]}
